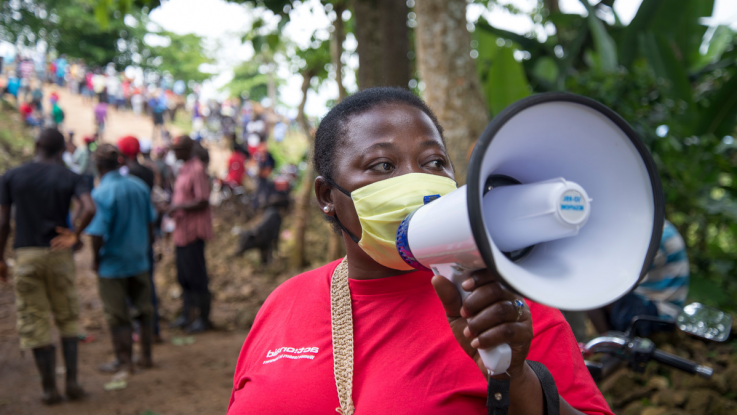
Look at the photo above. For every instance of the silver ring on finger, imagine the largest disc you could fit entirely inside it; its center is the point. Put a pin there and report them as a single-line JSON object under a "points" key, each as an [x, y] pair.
{"points": [[519, 305]]}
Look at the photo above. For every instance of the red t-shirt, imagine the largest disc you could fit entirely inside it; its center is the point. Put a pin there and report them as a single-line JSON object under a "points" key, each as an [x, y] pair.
{"points": [[236, 168], [406, 360], [25, 110]]}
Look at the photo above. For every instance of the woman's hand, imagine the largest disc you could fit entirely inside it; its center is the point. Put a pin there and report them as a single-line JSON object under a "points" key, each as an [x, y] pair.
{"points": [[487, 318]]}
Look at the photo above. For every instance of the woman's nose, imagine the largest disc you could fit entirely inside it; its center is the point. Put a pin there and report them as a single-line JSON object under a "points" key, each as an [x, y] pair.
{"points": [[409, 167]]}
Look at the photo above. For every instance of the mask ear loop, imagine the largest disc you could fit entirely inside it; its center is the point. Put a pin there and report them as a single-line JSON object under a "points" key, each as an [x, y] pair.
{"points": [[340, 225], [335, 185]]}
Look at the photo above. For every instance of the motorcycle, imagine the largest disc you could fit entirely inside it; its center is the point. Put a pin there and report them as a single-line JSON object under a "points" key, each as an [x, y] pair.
{"points": [[696, 319]]}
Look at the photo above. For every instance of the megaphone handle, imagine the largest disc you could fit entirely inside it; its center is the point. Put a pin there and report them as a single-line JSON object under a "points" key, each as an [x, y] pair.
{"points": [[496, 359]]}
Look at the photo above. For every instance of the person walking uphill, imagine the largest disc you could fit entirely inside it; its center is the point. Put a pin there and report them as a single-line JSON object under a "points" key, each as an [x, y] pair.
{"points": [[190, 209], [121, 233], [41, 192]]}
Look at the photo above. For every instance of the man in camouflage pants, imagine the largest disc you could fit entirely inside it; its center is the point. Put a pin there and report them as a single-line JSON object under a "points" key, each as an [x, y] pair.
{"points": [[41, 192]]}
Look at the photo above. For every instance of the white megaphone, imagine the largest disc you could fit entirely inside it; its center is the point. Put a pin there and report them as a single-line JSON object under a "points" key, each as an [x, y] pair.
{"points": [[562, 199]]}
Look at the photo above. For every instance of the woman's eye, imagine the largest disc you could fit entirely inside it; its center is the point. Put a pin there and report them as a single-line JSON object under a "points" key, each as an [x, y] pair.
{"points": [[383, 167], [436, 164]]}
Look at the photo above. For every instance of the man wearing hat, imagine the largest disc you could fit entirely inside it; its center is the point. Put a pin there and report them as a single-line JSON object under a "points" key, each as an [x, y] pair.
{"points": [[121, 234], [129, 147], [190, 209]]}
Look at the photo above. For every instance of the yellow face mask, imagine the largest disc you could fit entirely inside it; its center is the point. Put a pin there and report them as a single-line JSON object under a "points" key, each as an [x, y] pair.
{"points": [[382, 206]]}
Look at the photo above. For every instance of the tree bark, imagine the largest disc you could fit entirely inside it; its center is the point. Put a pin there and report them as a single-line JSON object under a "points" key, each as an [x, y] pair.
{"points": [[335, 242], [395, 43], [452, 88], [336, 48], [302, 205], [271, 85], [383, 43]]}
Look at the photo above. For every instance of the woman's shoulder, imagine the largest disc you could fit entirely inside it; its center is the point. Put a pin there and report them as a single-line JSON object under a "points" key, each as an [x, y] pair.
{"points": [[544, 317], [305, 285]]}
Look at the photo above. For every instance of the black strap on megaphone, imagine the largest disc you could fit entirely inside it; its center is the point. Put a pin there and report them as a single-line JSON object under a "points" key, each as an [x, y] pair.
{"points": [[498, 399]]}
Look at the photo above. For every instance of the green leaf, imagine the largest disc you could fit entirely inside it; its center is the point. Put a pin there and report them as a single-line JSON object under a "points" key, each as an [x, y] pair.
{"points": [[603, 43], [545, 69], [502, 77], [628, 44], [663, 60], [718, 43], [720, 118], [680, 26], [524, 42], [101, 13], [507, 82]]}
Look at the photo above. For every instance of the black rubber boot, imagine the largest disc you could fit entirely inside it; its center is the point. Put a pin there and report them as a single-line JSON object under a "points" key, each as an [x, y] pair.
{"points": [[125, 336], [72, 389], [184, 319], [202, 322], [146, 341], [112, 366], [46, 362], [123, 347]]}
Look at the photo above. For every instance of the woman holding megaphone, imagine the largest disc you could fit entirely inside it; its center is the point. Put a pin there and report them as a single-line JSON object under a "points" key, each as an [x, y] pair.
{"points": [[369, 334]]}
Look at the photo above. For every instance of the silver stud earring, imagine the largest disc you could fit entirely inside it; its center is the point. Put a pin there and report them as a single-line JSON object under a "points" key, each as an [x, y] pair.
{"points": [[326, 209]]}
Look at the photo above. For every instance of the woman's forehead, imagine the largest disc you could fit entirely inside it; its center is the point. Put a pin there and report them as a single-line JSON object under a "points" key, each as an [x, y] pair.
{"points": [[389, 122]]}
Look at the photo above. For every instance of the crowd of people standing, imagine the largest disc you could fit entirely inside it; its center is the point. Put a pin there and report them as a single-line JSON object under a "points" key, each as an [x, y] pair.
{"points": [[103, 87], [119, 196], [130, 199]]}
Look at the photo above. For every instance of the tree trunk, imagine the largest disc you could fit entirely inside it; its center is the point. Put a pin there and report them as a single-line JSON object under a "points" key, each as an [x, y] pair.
{"points": [[552, 5], [452, 88], [302, 205], [368, 34], [271, 85], [395, 43], [383, 43], [336, 48], [335, 243]]}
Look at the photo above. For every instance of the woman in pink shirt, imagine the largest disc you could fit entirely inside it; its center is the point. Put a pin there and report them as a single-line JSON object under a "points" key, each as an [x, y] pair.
{"points": [[370, 334]]}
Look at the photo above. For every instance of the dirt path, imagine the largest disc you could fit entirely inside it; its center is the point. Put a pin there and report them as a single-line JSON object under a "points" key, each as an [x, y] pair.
{"points": [[189, 379], [79, 118]]}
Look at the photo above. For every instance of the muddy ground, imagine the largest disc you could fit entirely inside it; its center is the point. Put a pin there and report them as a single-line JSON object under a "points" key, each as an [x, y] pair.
{"points": [[187, 379]]}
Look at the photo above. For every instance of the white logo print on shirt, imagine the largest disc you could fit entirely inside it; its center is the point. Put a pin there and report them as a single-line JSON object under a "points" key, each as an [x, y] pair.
{"points": [[290, 353]]}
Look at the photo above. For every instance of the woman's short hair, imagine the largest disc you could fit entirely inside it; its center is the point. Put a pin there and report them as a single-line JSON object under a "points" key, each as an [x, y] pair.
{"points": [[333, 127]]}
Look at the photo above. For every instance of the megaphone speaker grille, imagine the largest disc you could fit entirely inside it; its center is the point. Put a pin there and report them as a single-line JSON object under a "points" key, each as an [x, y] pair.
{"points": [[560, 135]]}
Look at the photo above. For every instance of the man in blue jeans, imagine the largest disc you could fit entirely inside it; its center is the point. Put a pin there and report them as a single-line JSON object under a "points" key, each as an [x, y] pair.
{"points": [[121, 234]]}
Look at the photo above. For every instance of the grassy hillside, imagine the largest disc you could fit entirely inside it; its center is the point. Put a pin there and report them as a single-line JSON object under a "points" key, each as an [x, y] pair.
{"points": [[16, 141]]}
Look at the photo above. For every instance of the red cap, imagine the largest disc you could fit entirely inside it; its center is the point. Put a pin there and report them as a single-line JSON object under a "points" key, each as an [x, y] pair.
{"points": [[129, 146]]}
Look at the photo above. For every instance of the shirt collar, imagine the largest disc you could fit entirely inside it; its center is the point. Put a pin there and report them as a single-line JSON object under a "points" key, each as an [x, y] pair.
{"points": [[110, 176]]}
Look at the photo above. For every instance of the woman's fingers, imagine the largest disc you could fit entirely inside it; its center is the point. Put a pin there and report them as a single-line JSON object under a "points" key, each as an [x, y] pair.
{"points": [[509, 333], [449, 296], [494, 315], [480, 277], [484, 296]]}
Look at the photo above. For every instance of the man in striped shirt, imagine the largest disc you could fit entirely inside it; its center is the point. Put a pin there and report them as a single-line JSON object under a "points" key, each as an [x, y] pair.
{"points": [[666, 285], [662, 292], [190, 209]]}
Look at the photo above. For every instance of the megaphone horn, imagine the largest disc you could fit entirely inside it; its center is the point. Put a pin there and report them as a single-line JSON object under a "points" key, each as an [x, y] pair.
{"points": [[562, 200]]}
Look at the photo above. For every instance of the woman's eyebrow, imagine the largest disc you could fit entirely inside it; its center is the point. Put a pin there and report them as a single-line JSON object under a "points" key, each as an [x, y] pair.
{"points": [[430, 143], [383, 145]]}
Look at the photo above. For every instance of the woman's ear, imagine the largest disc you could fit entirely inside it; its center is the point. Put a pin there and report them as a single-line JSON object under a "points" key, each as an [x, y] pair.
{"points": [[324, 196]]}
